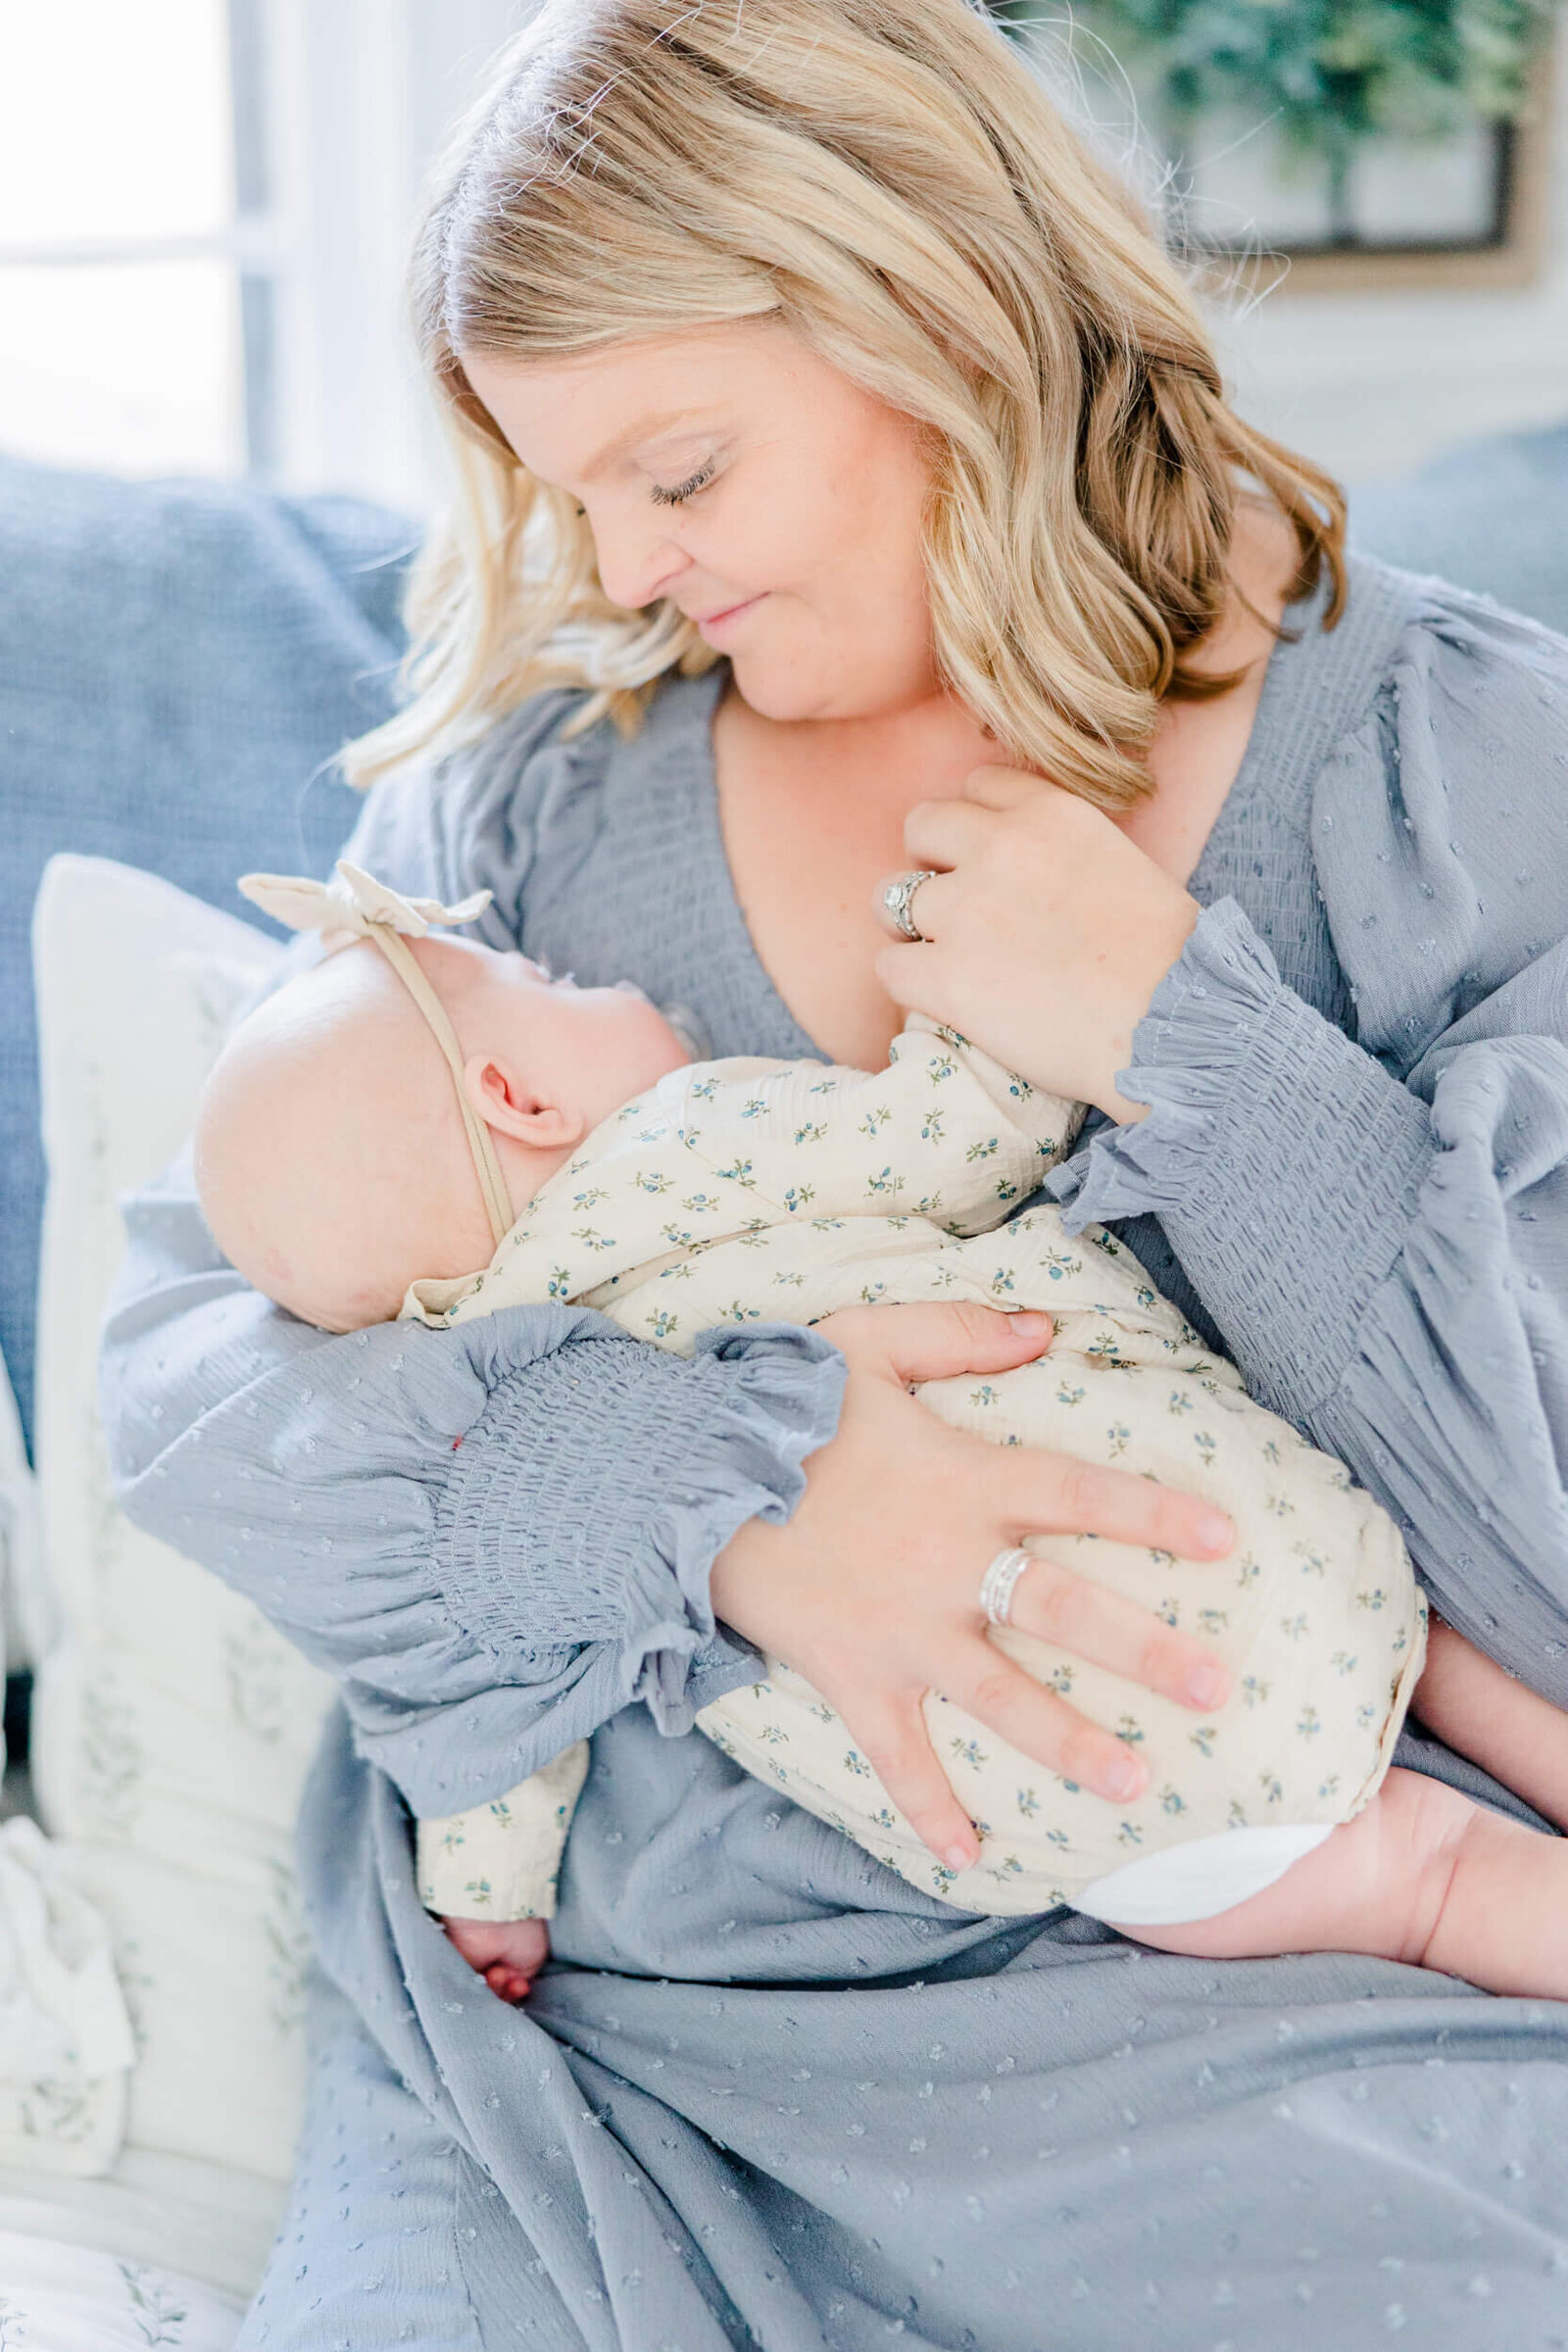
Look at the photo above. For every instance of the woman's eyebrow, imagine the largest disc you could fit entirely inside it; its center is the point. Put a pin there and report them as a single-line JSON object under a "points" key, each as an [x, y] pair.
{"points": [[643, 430]]}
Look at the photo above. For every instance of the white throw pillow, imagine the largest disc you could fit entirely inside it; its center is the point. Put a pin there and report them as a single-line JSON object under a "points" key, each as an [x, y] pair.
{"points": [[172, 1725], [65, 2044], [23, 1606], [60, 2298]]}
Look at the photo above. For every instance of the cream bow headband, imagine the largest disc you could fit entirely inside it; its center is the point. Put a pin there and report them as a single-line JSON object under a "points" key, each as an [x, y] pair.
{"points": [[354, 901]]}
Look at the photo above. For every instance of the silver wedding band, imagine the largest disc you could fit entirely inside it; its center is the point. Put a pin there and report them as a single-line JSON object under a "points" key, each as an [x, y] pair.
{"points": [[895, 898], [1000, 1580]]}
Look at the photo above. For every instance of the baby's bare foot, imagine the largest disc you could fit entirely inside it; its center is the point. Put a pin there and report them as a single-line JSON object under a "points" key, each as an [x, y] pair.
{"points": [[1473, 1703], [508, 1953], [1423, 1875]]}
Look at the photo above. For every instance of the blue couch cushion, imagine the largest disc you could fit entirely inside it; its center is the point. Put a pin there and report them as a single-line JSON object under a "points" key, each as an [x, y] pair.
{"points": [[1492, 515], [179, 661]]}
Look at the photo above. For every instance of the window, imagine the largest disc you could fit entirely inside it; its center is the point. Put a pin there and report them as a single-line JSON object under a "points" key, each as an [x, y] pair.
{"points": [[133, 239], [204, 212]]}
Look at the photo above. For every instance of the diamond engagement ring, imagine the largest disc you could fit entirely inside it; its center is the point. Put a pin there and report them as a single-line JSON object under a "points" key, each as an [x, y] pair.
{"points": [[896, 896], [999, 1582]]}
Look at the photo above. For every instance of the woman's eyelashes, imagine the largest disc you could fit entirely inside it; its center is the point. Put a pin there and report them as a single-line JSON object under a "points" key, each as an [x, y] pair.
{"points": [[678, 497]]}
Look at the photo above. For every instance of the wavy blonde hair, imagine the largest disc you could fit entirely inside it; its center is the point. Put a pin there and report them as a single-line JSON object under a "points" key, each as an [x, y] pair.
{"points": [[891, 179]]}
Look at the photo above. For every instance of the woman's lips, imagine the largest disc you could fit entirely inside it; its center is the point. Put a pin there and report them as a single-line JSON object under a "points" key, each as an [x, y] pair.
{"points": [[717, 622]]}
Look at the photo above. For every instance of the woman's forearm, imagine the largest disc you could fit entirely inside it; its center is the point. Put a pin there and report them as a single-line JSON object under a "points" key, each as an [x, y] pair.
{"points": [[1390, 1268], [493, 1537], [1284, 1163]]}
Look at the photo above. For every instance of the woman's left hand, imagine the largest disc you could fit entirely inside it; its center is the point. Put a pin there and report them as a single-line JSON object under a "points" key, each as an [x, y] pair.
{"points": [[1046, 931]]}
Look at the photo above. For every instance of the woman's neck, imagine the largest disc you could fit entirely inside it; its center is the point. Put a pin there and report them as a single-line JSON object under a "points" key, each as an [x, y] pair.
{"points": [[1198, 747], [812, 816], [813, 813], [893, 760], [889, 761]]}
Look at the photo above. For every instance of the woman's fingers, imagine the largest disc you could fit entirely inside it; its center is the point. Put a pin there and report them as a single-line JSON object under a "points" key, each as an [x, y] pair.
{"points": [[1000, 788], [1034, 1718], [943, 833], [1105, 1629], [914, 973], [937, 1342], [1055, 1492], [893, 1737]]}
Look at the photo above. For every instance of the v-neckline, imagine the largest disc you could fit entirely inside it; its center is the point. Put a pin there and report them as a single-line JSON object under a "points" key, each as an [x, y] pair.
{"points": [[1306, 656], [712, 683]]}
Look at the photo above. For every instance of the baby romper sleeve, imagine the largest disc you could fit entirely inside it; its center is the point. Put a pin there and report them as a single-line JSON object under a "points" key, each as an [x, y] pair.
{"points": [[943, 1133], [503, 1860]]}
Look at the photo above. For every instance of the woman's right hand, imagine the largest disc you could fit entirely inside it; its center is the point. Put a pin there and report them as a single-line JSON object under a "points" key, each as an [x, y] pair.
{"points": [[872, 1588]]}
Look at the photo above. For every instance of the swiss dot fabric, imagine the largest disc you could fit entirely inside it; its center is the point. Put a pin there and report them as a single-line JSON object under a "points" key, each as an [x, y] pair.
{"points": [[769, 2091]]}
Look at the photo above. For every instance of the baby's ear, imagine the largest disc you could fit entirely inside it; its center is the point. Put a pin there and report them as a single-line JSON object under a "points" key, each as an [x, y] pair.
{"points": [[505, 1103]]}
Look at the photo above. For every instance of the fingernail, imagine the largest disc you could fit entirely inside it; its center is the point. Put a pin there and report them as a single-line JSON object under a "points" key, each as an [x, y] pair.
{"points": [[1206, 1686], [1215, 1531], [1033, 1326], [960, 1857], [1123, 1780]]}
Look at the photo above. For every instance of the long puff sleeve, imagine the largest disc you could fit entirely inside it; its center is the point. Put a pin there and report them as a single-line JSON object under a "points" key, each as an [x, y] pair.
{"points": [[495, 1536], [1379, 1224]]}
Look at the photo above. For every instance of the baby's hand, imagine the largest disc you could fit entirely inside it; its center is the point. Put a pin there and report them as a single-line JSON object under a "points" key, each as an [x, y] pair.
{"points": [[508, 1953]]}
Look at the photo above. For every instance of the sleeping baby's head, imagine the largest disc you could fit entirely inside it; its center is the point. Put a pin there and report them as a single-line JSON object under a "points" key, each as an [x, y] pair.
{"points": [[333, 1159]]}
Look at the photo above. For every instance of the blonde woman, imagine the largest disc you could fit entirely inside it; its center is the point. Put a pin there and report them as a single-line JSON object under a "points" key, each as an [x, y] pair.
{"points": [[847, 490]]}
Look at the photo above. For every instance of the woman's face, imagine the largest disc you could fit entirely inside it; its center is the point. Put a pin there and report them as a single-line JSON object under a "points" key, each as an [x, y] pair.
{"points": [[736, 472]]}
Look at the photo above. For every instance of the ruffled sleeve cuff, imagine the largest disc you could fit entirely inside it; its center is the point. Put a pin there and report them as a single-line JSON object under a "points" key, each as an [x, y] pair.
{"points": [[1282, 1160], [780, 1399], [1222, 990], [597, 1514]]}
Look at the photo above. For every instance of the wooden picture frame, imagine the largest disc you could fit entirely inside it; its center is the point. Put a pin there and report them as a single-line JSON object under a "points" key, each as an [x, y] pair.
{"points": [[1512, 256]]}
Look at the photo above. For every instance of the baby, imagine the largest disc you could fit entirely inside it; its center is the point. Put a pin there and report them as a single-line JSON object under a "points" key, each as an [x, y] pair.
{"points": [[571, 1150]]}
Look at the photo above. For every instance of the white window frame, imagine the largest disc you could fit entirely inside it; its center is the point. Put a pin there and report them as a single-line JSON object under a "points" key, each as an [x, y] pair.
{"points": [[339, 106], [364, 90]]}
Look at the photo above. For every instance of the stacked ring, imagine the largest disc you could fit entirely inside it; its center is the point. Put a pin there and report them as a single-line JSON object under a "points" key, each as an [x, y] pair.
{"points": [[997, 1583]]}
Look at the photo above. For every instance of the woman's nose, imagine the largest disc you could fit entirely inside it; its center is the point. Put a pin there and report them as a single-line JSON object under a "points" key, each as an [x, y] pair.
{"points": [[637, 566]]}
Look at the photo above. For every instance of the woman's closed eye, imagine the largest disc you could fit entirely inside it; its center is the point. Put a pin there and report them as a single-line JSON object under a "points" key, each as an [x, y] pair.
{"points": [[678, 497]]}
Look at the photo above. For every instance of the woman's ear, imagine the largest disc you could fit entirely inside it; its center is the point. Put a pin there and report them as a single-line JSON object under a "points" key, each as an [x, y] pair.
{"points": [[505, 1102]]}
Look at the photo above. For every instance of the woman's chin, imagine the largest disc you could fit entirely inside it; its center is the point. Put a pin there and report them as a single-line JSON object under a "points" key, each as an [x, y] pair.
{"points": [[762, 689], [785, 691]]}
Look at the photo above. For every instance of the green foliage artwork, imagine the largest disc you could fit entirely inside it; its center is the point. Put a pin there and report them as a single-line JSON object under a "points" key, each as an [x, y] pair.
{"points": [[1329, 73]]}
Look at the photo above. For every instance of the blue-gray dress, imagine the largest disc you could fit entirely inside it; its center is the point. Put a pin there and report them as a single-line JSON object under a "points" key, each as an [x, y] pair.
{"points": [[771, 2094]]}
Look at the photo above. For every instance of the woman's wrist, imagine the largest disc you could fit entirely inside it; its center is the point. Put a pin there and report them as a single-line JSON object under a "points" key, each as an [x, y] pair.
{"points": [[1155, 975], [1045, 932], [1284, 1161]]}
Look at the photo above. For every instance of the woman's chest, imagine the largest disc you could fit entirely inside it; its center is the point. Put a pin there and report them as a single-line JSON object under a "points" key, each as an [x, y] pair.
{"points": [[805, 853], [754, 908]]}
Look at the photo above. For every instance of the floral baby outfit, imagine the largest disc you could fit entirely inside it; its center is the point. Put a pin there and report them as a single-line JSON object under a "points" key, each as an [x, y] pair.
{"points": [[740, 1192]]}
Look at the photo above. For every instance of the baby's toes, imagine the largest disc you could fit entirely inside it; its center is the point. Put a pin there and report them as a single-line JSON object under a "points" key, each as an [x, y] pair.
{"points": [[508, 1984]]}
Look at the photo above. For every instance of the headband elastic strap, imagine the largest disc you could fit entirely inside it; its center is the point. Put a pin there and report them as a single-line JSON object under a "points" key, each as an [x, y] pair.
{"points": [[357, 903], [487, 1168]]}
